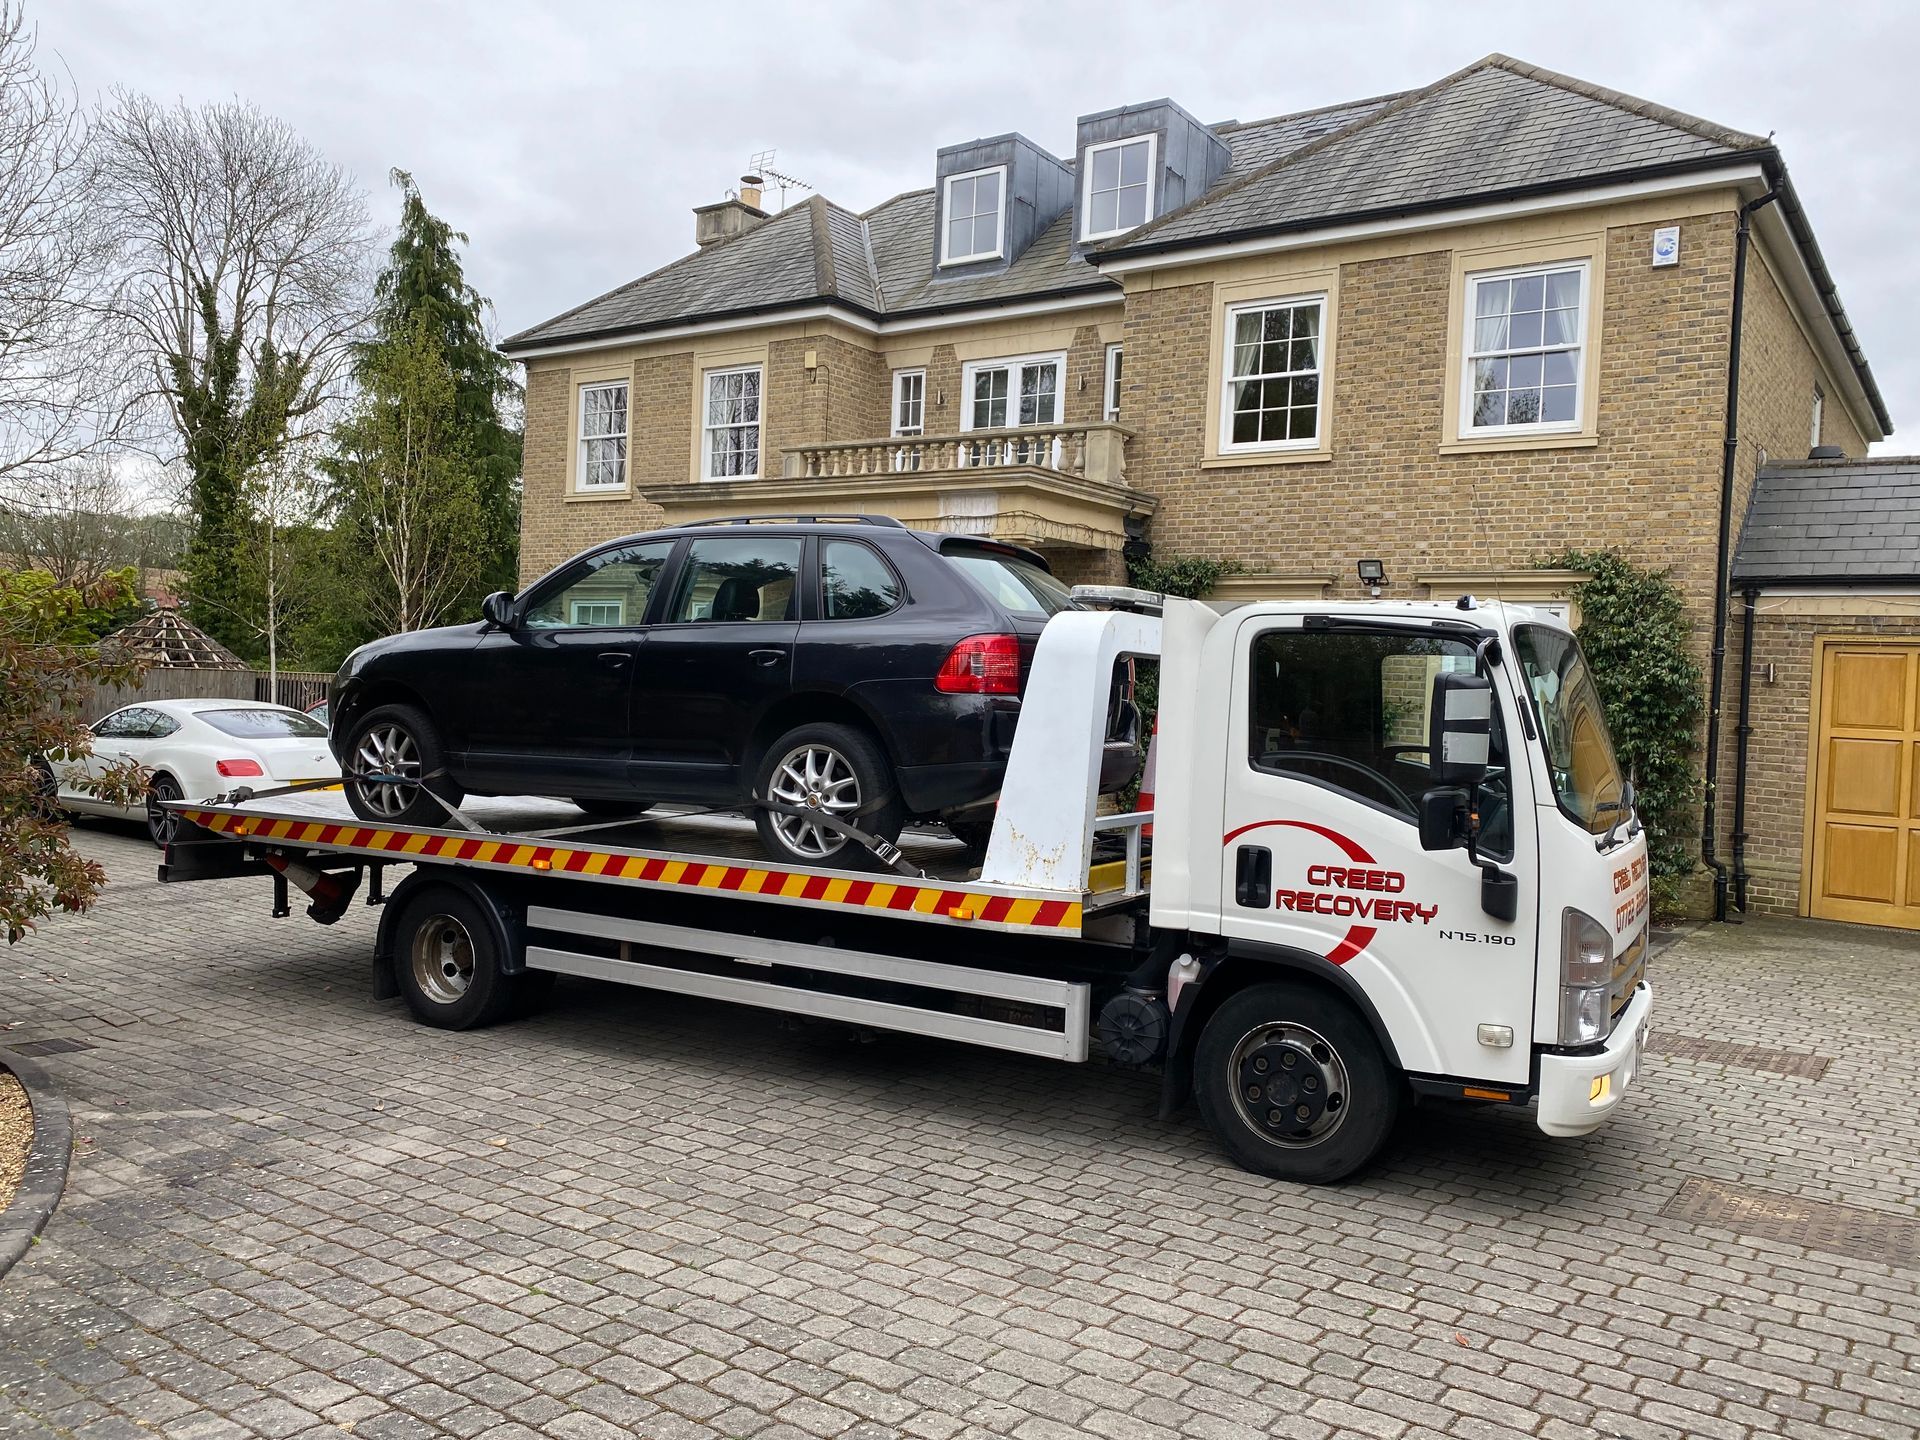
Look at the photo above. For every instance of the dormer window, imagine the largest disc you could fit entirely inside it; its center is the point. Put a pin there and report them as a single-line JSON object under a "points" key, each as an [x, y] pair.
{"points": [[1117, 193], [976, 216]]}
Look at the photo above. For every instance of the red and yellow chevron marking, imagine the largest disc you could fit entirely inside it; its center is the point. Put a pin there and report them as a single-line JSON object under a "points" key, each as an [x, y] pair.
{"points": [[720, 875]]}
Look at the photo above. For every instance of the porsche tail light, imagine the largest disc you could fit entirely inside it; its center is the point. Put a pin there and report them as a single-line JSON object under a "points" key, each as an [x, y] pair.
{"points": [[981, 665]]}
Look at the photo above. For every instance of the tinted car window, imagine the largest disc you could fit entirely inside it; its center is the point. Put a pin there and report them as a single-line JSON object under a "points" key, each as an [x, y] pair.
{"points": [[1018, 586], [160, 725], [750, 578], [265, 724], [611, 588], [855, 583]]}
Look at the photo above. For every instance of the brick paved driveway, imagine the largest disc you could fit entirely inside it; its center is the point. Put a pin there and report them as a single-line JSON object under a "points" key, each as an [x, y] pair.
{"points": [[295, 1212]]}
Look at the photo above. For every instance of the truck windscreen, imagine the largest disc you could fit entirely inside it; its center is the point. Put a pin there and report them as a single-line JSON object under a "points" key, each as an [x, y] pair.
{"points": [[1573, 726]]}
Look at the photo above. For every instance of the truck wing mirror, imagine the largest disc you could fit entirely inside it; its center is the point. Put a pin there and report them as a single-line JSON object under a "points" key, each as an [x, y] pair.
{"points": [[1459, 728], [498, 609], [1443, 819]]}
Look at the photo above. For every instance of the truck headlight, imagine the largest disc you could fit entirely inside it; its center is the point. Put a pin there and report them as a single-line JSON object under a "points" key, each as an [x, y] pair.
{"points": [[1586, 975]]}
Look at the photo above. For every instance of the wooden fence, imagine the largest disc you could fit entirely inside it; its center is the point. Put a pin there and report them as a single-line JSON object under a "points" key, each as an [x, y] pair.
{"points": [[298, 688]]}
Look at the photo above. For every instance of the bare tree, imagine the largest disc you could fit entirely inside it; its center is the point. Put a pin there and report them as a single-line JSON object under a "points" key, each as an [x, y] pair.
{"points": [[62, 394], [226, 201], [75, 520], [244, 277]]}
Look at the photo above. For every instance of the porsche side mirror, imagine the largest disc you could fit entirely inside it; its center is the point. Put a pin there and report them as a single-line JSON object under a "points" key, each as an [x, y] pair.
{"points": [[498, 609]]}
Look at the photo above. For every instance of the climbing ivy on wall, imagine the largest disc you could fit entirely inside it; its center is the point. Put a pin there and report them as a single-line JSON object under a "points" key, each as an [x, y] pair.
{"points": [[1635, 631]]}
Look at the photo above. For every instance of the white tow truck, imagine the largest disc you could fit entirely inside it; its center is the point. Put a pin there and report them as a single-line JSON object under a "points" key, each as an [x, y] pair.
{"points": [[1390, 854]]}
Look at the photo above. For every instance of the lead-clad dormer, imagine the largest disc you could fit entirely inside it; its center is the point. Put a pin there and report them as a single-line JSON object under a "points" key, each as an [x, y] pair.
{"points": [[1140, 161], [992, 199]]}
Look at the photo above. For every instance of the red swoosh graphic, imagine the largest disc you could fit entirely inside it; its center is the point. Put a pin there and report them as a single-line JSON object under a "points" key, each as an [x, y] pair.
{"points": [[1357, 937]]}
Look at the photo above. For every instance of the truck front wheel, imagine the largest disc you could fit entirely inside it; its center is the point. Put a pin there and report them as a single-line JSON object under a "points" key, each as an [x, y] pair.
{"points": [[1292, 1081], [449, 963]]}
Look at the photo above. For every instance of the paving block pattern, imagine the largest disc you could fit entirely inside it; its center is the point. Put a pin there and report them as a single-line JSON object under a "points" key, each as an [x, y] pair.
{"points": [[294, 1213]]}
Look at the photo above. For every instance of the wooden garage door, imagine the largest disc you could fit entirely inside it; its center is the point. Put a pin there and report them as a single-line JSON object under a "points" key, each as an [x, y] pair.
{"points": [[1866, 786]]}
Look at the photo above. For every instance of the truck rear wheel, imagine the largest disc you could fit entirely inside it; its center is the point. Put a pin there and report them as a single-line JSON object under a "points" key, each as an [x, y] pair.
{"points": [[1292, 1081], [449, 962]]}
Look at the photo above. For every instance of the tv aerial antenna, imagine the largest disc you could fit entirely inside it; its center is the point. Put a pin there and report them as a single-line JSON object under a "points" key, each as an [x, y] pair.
{"points": [[760, 170]]}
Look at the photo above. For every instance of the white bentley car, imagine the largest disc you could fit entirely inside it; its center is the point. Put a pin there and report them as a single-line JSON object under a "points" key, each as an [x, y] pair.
{"points": [[195, 749]]}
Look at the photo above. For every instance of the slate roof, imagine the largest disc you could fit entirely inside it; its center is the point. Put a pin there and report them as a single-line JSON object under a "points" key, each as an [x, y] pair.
{"points": [[1493, 128], [1846, 521], [881, 262], [1496, 130]]}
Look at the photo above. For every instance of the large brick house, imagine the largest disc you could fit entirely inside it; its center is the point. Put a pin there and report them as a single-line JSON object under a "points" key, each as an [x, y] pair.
{"points": [[1456, 330]]}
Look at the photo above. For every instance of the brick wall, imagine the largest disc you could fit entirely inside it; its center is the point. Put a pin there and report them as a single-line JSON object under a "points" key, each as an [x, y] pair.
{"points": [[1778, 373], [659, 444], [1649, 485], [1777, 772]]}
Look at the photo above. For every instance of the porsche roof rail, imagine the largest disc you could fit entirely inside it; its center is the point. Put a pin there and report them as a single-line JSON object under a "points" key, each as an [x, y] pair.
{"points": [[822, 519]]}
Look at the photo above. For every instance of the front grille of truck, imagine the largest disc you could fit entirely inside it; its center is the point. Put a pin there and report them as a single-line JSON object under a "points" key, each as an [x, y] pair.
{"points": [[1629, 966]]}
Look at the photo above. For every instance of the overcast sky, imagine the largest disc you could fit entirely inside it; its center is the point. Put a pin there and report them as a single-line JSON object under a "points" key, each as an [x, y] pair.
{"points": [[572, 141]]}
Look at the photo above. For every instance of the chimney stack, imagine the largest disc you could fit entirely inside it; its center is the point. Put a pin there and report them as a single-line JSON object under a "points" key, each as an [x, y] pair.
{"points": [[731, 217]]}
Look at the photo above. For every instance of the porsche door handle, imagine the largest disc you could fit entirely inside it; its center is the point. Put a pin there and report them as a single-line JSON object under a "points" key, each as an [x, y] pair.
{"points": [[766, 657], [615, 659]]}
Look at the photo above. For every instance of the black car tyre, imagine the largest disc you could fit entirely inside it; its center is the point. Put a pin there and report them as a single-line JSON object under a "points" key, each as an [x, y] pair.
{"points": [[46, 789], [972, 831], [612, 809], [449, 963], [399, 741], [836, 769], [1292, 1081], [162, 825]]}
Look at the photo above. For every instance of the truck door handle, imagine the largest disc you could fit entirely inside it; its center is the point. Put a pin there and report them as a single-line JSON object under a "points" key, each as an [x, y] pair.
{"points": [[766, 657], [1253, 877], [614, 659]]}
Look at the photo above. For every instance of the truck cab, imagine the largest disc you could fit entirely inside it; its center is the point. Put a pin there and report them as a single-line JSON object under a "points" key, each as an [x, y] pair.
{"points": [[1411, 814]]}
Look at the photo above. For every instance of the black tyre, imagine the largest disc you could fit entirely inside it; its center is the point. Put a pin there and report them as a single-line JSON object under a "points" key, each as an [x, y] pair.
{"points": [[399, 743], [832, 768], [1292, 1081], [612, 809], [448, 961], [162, 825], [46, 790], [972, 831]]}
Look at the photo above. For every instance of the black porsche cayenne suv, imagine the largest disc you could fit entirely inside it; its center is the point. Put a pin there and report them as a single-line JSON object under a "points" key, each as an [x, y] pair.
{"points": [[854, 666]]}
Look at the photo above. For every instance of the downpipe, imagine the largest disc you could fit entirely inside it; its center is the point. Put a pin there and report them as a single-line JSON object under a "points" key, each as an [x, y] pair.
{"points": [[1749, 609], [1710, 813]]}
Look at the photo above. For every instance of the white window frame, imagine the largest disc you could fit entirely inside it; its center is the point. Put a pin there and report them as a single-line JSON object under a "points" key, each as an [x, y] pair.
{"points": [[947, 257], [900, 379], [1152, 141], [1228, 446], [1010, 363], [1110, 392], [1581, 348], [581, 469], [574, 607], [707, 427]]}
